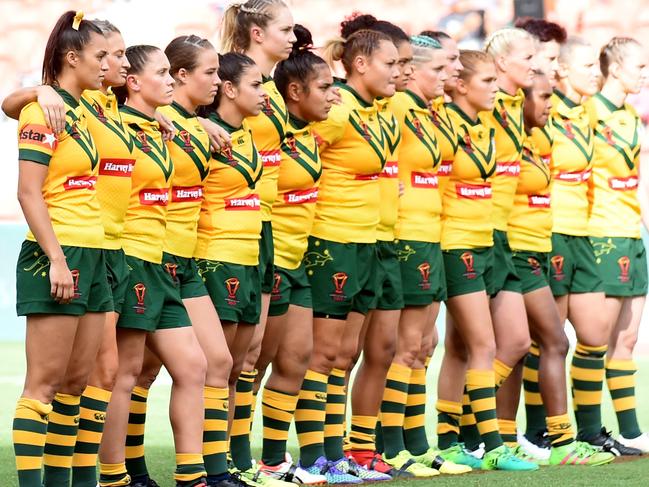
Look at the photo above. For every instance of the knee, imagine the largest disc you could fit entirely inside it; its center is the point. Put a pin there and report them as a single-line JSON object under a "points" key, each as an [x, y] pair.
{"points": [[148, 375], [192, 371], [252, 356], [220, 364], [484, 349], [521, 346], [74, 384], [556, 344], [629, 341]]}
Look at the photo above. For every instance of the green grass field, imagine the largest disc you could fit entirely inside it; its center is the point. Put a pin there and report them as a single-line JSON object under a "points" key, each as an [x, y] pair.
{"points": [[160, 452]]}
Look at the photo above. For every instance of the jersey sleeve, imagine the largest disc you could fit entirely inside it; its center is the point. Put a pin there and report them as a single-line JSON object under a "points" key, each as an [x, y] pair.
{"points": [[331, 130], [36, 141]]}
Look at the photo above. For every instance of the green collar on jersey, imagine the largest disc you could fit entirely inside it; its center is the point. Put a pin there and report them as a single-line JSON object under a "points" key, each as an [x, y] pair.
{"points": [[346, 87], [464, 116], [417, 99], [67, 97], [132, 111], [608, 103], [215, 117], [180, 109], [296, 122], [567, 101]]}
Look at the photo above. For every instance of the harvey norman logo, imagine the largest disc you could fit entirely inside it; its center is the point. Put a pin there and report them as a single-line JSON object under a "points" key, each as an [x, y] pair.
{"points": [[116, 167], [186, 193], [250, 202], [154, 196], [301, 197], [538, 200], [270, 157], [512, 168], [80, 182], [574, 177], [623, 184], [444, 168], [473, 191], [390, 170], [423, 180]]}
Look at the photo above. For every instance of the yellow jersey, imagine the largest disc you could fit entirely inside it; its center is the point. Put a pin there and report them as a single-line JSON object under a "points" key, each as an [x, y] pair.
{"points": [[229, 225], [297, 188], [420, 205], [389, 176], [530, 220], [507, 120], [615, 208], [446, 140], [570, 166], [356, 149], [268, 130], [145, 221], [115, 146], [467, 207], [190, 152], [72, 164]]}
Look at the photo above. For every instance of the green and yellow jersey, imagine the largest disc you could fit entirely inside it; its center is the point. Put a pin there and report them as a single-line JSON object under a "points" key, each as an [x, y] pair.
{"points": [[190, 153], [446, 140], [268, 130], [145, 222], [389, 176], [229, 225], [72, 162], [570, 166], [507, 120], [297, 188], [466, 204], [115, 146], [615, 208], [355, 151], [530, 220], [420, 205]]}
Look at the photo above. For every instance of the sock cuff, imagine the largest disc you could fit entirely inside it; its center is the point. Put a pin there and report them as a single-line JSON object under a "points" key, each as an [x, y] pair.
{"points": [[112, 468], [140, 392], [315, 376], [34, 405], [338, 373], [555, 420], [618, 364], [480, 378], [368, 422], [590, 351], [97, 393], [189, 458], [279, 400], [399, 373], [67, 399], [248, 376], [507, 426], [448, 407], [501, 368], [535, 349], [427, 361], [418, 376], [219, 393]]}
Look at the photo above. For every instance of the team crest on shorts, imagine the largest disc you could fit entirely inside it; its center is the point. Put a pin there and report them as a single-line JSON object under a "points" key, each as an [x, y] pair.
{"points": [[75, 282], [625, 263], [557, 267], [339, 279], [277, 282], [467, 260], [404, 254], [424, 272], [535, 266], [232, 287], [317, 259], [140, 293], [172, 270]]}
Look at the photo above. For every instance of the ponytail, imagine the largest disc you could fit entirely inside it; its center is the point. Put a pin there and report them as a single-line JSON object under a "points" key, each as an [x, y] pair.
{"points": [[300, 65], [361, 43], [240, 17]]}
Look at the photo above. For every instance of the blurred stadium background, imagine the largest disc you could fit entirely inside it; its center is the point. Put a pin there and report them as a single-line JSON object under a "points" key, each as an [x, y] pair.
{"points": [[25, 26]]}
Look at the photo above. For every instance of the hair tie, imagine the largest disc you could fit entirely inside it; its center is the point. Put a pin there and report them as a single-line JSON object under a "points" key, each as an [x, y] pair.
{"points": [[425, 41], [78, 17]]}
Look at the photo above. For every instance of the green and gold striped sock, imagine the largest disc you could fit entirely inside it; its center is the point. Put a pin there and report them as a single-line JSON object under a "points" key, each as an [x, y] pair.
{"points": [[215, 430], [414, 421], [469, 433], [501, 372], [587, 373], [334, 429], [278, 409], [28, 435], [621, 384], [189, 467], [310, 417], [240, 432], [560, 430], [113, 475], [507, 430], [534, 409], [62, 430], [480, 385], [362, 433], [448, 423], [393, 409], [135, 460], [92, 415]]}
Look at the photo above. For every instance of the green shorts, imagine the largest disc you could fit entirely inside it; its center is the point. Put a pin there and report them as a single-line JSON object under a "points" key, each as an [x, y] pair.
{"points": [[422, 272], [117, 273], [184, 274], [505, 275], [343, 277], [153, 301], [389, 286], [266, 258], [291, 287], [469, 271], [572, 266], [622, 265], [533, 269], [235, 290], [88, 267]]}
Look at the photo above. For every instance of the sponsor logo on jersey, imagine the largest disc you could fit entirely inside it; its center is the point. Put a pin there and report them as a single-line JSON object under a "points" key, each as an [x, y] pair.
{"points": [[473, 191], [339, 279], [80, 182], [467, 260], [186, 193], [423, 180], [248, 203], [154, 196], [38, 135], [444, 168], [302, 196], [116, 167], [270, 158], [623, 184], [538, 200], [367, 177], [574, 176], [140, 293], [390, 170], [624, 263], [512, 168]]}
